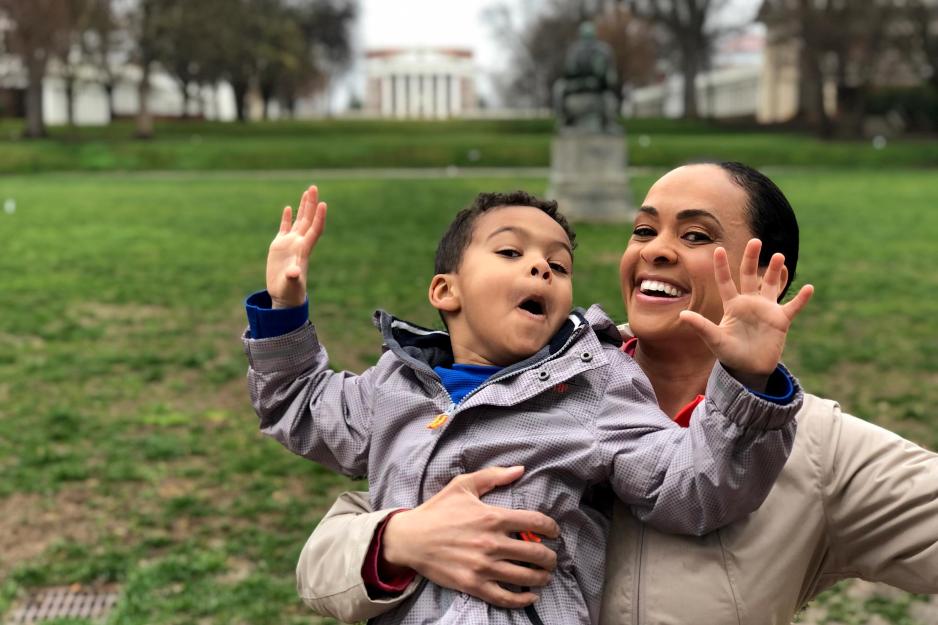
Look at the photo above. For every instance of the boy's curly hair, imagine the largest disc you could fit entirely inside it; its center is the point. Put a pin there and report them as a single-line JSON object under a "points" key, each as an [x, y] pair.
{"points": [[455, 240]]}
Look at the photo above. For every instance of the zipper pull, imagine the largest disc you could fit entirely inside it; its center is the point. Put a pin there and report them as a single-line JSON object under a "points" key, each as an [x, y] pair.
{"points": [[441, 418]]}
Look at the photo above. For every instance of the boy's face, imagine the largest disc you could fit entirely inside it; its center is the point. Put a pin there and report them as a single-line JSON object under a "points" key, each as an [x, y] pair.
{"points": [[513, 288]]}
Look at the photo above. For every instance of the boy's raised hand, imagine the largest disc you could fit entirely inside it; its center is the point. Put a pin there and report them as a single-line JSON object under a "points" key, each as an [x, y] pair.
{"points": [[288, 257], [751, 336]]}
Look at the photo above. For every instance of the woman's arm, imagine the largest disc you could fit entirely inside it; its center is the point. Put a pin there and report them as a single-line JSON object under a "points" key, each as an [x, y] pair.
{"points": [[452, 539], [881, 501], [328, 574]]}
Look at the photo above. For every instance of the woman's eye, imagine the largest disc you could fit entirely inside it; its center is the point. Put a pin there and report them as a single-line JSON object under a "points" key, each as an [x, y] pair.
{"points": [[558, 268], [509, 253], [643, 231], [697, 237]]}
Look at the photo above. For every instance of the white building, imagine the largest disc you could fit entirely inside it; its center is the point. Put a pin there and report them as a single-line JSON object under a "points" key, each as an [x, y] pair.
{"points": [[90, 106], [735, 87], [428, 83]]}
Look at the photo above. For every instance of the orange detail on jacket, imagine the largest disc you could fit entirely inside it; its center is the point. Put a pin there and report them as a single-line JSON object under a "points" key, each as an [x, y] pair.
{"points": [[440, 420]]}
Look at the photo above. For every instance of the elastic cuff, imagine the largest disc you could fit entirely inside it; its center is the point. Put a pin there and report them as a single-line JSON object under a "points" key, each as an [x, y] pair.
{"points": [[727, 396], [780, 389], [376, 585], [267, 322]]}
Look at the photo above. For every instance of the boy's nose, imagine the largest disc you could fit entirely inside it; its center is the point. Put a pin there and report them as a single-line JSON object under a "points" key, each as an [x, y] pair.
{"points": [[542, 270]]}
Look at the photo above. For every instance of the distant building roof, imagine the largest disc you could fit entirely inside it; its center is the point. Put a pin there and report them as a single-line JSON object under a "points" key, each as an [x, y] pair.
{"points": [[379, 53]]}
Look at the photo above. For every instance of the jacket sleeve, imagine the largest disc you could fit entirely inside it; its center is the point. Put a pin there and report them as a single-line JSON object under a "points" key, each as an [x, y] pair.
{"points": [[317, 413], [697, 479], [328, 574], [881, 501]]}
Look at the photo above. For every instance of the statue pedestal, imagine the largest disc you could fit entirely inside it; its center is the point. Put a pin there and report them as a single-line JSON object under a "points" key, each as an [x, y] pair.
{"points": [[588, 177]]}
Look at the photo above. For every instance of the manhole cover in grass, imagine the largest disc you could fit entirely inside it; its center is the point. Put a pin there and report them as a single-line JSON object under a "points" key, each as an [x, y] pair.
{"points": [[64, 602]]}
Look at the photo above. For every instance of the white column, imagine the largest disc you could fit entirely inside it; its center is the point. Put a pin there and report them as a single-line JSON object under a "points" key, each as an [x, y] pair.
{"points": [[387, 109], [439, 97], [400, 102], [413, 96], [455, 95], [426, 93]]}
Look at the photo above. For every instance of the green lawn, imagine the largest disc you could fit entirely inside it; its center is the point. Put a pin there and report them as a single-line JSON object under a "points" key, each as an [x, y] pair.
{"points": [[342, 143], [128, 450]]}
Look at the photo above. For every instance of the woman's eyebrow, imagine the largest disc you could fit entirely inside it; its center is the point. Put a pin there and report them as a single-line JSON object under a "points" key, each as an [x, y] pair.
{"points": [[687, 213], [695, 213]]}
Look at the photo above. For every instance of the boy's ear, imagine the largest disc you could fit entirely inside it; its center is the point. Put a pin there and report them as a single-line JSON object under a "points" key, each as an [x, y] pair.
{"points": [[442, 293]]}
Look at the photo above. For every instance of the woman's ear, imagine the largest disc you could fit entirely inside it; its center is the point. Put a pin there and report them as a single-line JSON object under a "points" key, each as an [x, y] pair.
{"points": [[443, 294], [783, 275]]}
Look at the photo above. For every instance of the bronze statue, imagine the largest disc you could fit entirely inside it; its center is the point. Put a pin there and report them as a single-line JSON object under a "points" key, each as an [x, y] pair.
{"points": [[587, 98]]}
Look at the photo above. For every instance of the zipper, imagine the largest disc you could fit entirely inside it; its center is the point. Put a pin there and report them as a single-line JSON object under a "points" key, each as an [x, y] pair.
{"points": [[573, 335]]}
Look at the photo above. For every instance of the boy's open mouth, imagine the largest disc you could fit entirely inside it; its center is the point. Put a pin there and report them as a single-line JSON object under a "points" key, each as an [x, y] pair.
{"points": [[657, 288], [533, 305]]}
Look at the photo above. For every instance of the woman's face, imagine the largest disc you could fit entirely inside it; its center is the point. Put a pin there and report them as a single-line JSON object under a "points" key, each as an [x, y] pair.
{"points": [[668, 264]]}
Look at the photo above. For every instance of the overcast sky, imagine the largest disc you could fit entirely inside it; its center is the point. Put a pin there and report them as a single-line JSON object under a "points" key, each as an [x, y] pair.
{"points": [[453, 23]]}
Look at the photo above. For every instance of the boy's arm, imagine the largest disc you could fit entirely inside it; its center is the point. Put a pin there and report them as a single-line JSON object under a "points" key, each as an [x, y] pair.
{"points": [[693, 480], [313, 411], [317, 413], [723, 466]]}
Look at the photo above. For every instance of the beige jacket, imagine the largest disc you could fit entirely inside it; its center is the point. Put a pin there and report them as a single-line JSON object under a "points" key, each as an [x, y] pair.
{"points": [[854, 500]]}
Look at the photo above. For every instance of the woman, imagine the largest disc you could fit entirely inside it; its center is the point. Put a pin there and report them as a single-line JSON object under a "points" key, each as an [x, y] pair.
{"points": [[854, 500]]}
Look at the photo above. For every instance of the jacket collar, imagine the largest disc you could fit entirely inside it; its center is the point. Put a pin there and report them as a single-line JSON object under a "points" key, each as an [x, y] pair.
{"points": [[425, 348]]}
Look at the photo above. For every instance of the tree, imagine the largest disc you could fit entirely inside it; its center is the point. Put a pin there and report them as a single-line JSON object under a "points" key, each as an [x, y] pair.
{"points": [[691, 32], [190, 46], [284, 57], [283, 48], [539, 45], [69, 53], [632, 43], [850, 42], [104, 45], [924, 15], [39, 30], [147, 30], [326, 27]]}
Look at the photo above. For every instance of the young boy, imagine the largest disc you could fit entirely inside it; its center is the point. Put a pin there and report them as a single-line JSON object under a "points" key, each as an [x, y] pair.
{"points": [[518, 379]]}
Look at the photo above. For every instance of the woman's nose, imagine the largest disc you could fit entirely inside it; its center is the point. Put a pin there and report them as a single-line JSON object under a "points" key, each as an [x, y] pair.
{"points": [[658, 251]]}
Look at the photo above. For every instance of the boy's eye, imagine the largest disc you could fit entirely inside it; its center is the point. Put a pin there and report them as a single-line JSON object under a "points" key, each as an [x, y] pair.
{"points": [[509, 253], [558, 268], [643, 231], [695, 236]]}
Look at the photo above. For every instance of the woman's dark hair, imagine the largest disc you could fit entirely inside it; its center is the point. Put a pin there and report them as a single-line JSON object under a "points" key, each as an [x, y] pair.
{"points": [[771, 217], [456, 239]]}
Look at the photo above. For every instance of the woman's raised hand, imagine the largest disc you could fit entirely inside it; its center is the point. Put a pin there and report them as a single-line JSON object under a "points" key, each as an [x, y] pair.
{"points": [[751, 336], [288, 256]]}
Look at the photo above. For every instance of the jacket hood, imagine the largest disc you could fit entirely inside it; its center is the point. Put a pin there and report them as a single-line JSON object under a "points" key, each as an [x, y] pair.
{"points": [[426, 347]]}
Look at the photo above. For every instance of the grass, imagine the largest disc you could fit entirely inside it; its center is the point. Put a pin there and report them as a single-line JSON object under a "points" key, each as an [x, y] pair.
{"points": [[129, 452], [200, 146]]}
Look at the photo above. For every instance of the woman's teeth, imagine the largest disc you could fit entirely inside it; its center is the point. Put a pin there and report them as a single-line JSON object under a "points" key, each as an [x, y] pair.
{"points": [[655, 287]]}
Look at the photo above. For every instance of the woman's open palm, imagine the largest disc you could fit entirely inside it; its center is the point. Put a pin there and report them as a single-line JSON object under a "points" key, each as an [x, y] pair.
{"points": [[751, 336]]}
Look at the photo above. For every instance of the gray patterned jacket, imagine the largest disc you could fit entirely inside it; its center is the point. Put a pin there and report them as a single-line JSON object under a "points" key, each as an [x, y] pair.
{"points": [[577, 414]]}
